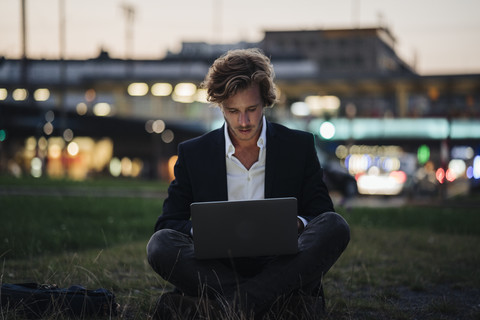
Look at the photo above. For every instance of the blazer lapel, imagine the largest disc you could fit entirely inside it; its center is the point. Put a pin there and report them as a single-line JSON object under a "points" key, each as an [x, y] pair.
{"points": [[217, 167], [273, 152]]}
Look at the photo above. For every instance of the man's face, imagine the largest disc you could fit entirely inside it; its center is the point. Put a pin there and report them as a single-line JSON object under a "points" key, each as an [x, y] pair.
{"points": [[243, 113]]}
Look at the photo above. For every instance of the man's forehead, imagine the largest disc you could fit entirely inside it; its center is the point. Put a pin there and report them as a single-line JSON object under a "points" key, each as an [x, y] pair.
{"points": [[249, 97]]}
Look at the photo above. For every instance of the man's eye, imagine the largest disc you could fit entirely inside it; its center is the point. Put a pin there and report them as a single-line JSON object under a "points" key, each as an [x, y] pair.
{"points": [[233, 111]]}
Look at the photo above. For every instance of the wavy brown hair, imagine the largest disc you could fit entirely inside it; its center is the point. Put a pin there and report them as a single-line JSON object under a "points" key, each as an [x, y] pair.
{"points": [[237, 70]]}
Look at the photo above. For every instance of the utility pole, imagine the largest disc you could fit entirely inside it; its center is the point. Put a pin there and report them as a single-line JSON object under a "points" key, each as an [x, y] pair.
{"points": [[24, 59], [129, 11], [24, 31]]}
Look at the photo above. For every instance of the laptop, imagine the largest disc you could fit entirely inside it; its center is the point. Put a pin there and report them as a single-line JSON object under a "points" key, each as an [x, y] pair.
{"points": [[247, 228]]}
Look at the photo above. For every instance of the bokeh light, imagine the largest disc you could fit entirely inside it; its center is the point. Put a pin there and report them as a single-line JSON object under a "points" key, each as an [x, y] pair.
{"points": [[161, 89], [41, 94], [73, 149], [137, 89], [102, 109], [3, 94], [20, 94], [115, 167], [184, 92], [423, 154], [48, 128], [36, 167], [167, 136], [81, 108], [327, 130]]}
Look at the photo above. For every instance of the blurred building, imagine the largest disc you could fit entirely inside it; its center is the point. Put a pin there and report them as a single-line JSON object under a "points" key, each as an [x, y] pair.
{"points": [[137, 111]]}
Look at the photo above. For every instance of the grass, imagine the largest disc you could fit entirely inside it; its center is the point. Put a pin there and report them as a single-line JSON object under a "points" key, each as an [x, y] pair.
{"points": [[401, 263]]}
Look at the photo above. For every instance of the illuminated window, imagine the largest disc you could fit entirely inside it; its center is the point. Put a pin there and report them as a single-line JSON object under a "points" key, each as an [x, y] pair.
{"points": [[102, 109], [3, 93], [162, 89], [184, 92], [19, 94], [41, 94], [137, 89], [201, 96]]}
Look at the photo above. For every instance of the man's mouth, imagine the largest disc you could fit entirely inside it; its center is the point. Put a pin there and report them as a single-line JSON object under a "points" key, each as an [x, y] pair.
{"points": [[245, 130]]}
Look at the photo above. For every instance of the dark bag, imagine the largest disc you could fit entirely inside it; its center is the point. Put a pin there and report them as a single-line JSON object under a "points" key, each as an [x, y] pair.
{"points": [[32, 300]]}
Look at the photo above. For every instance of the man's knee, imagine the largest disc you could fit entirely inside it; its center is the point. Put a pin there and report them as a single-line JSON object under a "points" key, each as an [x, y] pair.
{"points": [[339, 225], [156, 244], [329, 226], [164, 247]]}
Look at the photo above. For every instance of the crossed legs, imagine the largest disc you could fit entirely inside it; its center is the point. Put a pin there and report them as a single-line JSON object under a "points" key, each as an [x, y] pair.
{"points": [[256, 283]]}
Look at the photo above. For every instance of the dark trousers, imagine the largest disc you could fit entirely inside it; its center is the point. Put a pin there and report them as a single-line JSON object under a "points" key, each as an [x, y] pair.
{"points": [[256, 282]]}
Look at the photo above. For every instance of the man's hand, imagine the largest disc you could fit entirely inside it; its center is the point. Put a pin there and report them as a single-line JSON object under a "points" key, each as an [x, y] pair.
{"points": [[300, 226]]}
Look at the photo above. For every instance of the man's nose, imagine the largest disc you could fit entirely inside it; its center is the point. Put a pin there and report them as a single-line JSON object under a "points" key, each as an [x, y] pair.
{"points": [[243, 119]]}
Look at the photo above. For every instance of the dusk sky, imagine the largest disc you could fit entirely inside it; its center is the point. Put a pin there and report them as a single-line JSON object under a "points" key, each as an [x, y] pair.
{"points": [[441, 36]]}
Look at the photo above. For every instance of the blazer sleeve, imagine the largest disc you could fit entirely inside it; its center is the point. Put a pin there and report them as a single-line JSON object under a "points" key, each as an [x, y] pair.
{"points": [[176, 207], [315, 198], [293, 170]]}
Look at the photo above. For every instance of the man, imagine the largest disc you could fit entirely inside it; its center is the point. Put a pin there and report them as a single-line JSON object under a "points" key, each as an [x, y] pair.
{"points": [[248, 158]]}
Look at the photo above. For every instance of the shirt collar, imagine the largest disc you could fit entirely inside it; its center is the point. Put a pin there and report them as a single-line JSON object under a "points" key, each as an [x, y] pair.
{"points": [[261, 142]]}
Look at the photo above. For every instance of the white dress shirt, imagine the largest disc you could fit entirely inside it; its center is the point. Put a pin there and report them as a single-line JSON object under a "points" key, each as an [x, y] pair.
{"points": [[243, 184]]}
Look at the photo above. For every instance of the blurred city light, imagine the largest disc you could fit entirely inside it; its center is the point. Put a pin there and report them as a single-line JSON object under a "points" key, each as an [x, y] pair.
{"points": [[400, 176], [171, 164], [20, 94], [3, 135], [300, 109], [423, 154], [137, 89], [201, 96], [149, 126], [90, 95], [161, 89], [3, 94], [41, 94], [476, 167], [137, 167], [49, 116], [390, 164], [457, 167], [184, 92], [450, 175], [158, 126], [469, 172], [68, 135], [327, 130], [341, 152], [73, 149], [126, 167], [115, 167], [167, 136], [48, 128], [319, 105], [154, 126], [462, 152], [42, 144], [440, 175], [36, 167], [101, 109], [379, 184], [81, 108]]}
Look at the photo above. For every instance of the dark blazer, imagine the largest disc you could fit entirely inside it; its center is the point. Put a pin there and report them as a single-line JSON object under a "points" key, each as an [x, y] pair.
{"points": [[292, 170]]}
